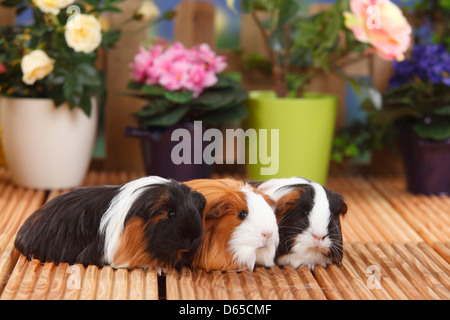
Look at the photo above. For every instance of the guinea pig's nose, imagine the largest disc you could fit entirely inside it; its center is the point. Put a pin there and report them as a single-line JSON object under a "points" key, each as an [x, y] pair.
{"points": [[266, 235], [317, 237]]}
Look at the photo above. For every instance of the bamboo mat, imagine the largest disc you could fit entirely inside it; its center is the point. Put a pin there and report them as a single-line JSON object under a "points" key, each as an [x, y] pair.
{"points": [[396, 246]]}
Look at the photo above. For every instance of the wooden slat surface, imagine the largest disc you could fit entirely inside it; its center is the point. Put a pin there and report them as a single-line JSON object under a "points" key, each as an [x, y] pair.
{"points": [[396, 246]]}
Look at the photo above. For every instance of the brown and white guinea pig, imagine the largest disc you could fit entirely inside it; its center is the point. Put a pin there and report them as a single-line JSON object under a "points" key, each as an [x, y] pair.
{"points": [[148, 222], [308, 220], [240, 227]]}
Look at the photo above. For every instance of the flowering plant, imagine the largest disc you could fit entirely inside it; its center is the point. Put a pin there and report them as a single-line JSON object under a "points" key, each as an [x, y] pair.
{"points": [[184, 84], [418, 93], [55, 56], [302, 46]]}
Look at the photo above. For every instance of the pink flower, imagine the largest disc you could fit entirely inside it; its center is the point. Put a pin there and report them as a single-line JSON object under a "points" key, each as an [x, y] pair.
{"points": [[199, 78], [214, 62], [178, 68], [2, 68], [144, 61], [176, 77], [175, 52], [381, 24]]}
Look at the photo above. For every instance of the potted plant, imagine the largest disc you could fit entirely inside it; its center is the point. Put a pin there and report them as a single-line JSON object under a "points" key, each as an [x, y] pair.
{"points": [[49, 83], [417, 104], [302, 47], [414, 114], [186, 92]]}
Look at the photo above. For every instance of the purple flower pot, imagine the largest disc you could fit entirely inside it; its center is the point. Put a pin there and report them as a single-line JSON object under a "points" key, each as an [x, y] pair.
{"points": [[157, 153], [426, 163]]}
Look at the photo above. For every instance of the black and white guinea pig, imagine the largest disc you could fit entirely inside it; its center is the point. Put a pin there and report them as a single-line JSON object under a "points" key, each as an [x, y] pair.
{"points": [[308, 217], [148, 222]]}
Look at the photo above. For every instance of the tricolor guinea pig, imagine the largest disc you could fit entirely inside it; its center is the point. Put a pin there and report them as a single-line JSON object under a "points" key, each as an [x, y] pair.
{"points": [[308, 218], [240, 227], [148, 222]]}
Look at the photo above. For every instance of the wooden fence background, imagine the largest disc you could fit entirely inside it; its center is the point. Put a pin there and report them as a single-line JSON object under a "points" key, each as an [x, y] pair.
{"points": [[194, 23]]}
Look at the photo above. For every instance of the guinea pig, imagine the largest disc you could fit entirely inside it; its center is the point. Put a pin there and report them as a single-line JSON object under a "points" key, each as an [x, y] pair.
{"points": [[308, 217], [239, 226], [148, 222]]}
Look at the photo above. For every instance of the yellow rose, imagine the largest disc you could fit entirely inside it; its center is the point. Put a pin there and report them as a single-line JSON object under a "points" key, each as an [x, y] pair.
{"points": [[52, 6], [35, 66], [147, 11], [83, 33]]}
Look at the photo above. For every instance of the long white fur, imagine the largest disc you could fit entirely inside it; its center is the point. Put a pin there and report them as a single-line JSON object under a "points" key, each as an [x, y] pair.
{"points": [[274, 187], [247, 243], [112, 222], [319, 218]]}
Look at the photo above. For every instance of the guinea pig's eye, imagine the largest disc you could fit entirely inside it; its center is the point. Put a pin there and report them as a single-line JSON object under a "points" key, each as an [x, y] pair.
{"points": [[170, 214], [305, 212], [242, 214]]}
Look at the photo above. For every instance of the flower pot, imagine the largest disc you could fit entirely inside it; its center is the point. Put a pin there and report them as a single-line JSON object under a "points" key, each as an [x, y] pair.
{"points": [[306, 130], [46, 147], [157, 146], [426, 162]]}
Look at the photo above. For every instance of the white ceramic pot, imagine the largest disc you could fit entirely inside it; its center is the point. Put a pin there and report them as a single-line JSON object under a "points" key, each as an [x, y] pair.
{"points": [[47, 147]]}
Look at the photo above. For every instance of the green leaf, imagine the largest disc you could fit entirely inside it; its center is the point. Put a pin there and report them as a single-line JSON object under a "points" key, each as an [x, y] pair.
{"points": [[85, 105], [445, 3], [73, 91], [56, 78], [110, 37], [237, 113], [133, 85], [183, 96], [232, 77], [94, 3], [10, 3], [153, 107], [112, 9], [225, 82], [59, 99], [351, 150], [331, 30], [166, 119], [246, 6], [442, 111], [106, 8], [88, 74], [436, 130], [168, 15], [153, 90], [288, 9], [209, 98], [337, 157]]}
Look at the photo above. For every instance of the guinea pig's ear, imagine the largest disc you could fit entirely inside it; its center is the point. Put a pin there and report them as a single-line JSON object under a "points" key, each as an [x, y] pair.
{"points": [[217, 211], [337, 203], [200, 201], [254, 184], [287, 202], [343, 207]]}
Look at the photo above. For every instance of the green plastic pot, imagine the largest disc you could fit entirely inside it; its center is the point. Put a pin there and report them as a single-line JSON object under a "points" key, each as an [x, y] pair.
{"points": [[305, 128]]}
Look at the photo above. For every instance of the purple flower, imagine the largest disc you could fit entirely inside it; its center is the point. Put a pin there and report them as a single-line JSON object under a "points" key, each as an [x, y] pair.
{"points": [[427, 62]]}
